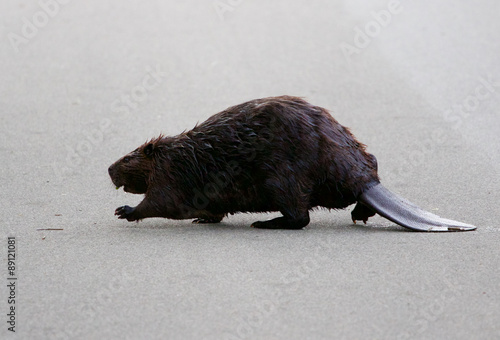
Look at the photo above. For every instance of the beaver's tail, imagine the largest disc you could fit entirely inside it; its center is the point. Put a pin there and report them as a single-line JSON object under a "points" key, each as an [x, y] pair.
{"points": [[380, 200]]}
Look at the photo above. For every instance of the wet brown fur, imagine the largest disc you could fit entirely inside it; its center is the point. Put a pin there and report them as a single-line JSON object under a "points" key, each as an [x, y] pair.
{"points": [[271, 154]]}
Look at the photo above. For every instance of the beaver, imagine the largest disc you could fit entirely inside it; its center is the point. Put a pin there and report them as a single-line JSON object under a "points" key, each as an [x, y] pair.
{"points": [[271, 154]]}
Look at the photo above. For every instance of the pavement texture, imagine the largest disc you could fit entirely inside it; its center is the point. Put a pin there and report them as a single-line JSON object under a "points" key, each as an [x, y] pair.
{"points": [[84, 82]]}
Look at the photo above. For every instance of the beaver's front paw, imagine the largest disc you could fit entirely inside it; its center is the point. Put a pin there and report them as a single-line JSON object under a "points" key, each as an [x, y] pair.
{"points": [[125, 212]]}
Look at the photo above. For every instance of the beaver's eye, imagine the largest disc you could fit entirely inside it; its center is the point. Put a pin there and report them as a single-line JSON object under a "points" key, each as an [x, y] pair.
{"points": [[126, 159]]}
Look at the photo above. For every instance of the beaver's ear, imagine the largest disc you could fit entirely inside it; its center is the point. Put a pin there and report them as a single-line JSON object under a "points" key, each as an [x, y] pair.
{"points": [[149, 150]]}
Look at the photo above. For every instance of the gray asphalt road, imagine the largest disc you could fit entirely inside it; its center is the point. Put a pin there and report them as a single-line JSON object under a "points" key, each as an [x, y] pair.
{"points": [[84, 82]]}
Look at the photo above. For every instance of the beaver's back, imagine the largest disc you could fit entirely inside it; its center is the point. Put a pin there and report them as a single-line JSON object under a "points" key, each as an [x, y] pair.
{"points": [[282, 145]]}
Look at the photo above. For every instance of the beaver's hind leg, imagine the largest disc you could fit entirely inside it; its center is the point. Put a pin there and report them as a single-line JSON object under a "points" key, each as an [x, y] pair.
{"points": [[361, 213], [284, 222], [291, 200]]}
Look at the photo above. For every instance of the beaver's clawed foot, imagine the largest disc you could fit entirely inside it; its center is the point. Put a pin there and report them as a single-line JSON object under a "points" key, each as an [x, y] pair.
{"points": [[125, 212], [361, 213], [281, 223]]}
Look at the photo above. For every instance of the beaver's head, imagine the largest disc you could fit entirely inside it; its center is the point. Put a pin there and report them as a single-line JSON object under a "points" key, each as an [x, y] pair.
{"points": [[132, 172]]}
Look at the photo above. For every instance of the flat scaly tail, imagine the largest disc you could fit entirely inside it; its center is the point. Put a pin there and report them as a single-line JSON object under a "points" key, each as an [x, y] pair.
{"points": [[401, 211]]}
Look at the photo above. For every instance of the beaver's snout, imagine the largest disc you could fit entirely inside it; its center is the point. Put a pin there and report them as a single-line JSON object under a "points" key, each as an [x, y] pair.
{"points": [[113, 174]]}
